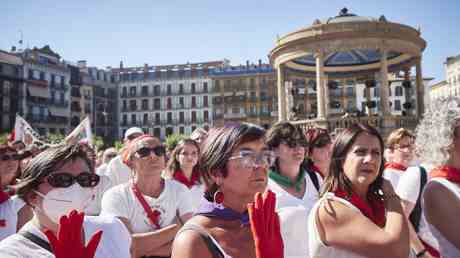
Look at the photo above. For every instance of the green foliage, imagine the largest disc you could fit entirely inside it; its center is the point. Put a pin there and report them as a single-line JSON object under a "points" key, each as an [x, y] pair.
{"points": [[4, 138], [172, 140], [98, 142], [55, 138], [118, 145]]}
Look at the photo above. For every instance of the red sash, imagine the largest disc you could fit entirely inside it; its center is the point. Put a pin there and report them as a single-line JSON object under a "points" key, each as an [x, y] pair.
{"points": [[4, 196], [154, 216], [317, 170], [375, 211], [450, 173], [395, 166], [180, 177], [2, 223]]}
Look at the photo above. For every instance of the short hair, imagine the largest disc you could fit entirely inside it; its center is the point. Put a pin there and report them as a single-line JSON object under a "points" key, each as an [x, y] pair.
{"points": [[128, 153], [218, 148], [435, 133], [48, 161], [284, 130], [342, 144], [397, 135], [173, 162]]}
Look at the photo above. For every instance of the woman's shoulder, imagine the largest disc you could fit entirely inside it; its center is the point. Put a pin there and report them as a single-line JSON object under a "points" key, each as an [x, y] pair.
{"points": [[336, 210]]}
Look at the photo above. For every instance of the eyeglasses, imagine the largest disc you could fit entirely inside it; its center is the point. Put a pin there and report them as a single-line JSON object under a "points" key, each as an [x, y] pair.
{"points": [[250, 159], [146, 151], [64, 180], [10, 157]]}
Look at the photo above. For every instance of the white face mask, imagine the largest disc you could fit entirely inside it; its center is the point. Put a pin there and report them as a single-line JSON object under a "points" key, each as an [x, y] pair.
{"points": [[60, 201]]}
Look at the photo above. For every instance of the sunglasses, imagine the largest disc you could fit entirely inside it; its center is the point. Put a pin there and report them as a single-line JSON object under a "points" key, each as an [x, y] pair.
{"points": [[146, 151], [64, 180], [10, 157]]}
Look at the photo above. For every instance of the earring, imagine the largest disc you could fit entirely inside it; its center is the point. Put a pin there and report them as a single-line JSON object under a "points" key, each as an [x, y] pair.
{"points": [[218, 199]]}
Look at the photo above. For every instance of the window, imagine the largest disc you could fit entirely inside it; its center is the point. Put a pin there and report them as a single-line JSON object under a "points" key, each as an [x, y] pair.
{"points": [[169, 131], [192, 88], [181, 117], [125, 119], [157, 118], [193, 116], [398, 91], [181, 102], [132, 91], [235, 110], [157, 90], [181, 88], [206, 115], [205, 101], [169, 103], [157, 132], [132, 105], [397, 105], [42, 75], [53, 80], [252, 83], [62, 97], [193, 101], [145, 90], [217, 86], [263, 95], [157, 104], [205, 87], [125, 106], [145, 104], [168, 89], [62, 80], [31, 74], [376, 92], [349, 91], [146, 119], [169, 117], [133, 119], [181, 130], [125, 92]]}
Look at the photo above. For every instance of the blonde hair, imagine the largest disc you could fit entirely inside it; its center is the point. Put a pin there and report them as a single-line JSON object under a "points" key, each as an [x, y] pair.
{"points": [[397, 135]]}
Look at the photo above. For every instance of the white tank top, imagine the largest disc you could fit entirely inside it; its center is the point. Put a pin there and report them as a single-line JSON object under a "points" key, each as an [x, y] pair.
{"points": [[316, 247], [446, 248]]}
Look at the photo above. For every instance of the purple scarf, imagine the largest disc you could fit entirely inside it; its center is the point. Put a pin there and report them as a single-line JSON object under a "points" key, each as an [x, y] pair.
{"points": [[213, 210]]}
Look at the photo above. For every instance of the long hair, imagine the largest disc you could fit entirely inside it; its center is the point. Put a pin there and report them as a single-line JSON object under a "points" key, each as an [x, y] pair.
{"points": [[342, 144], [218, 148], [173, 162]]}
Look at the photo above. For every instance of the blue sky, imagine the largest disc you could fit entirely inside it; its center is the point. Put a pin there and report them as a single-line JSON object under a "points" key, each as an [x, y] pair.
{"points": [[103, 32]]}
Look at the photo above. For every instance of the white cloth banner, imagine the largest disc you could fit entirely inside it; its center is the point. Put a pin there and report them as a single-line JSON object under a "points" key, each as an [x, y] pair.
{"points": [[24, 132], [81, 133]]}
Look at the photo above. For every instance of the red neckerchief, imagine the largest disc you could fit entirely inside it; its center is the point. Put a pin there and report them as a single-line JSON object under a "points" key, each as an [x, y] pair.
{"points": [[317, 170], [396, 166], [375, 211], [180, 177], [450, 173], [153, 215], [4, 196]]}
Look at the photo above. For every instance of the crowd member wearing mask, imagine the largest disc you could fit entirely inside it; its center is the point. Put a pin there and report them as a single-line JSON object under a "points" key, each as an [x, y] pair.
{"points": [[152, 208], [359, 214], [234, 162], [13, 212], [116, 170], [184, 168], [438, 144], [400, 144], [55, 182], [318, 151]]}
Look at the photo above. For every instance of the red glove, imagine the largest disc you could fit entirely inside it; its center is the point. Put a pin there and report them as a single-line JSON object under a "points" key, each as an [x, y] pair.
{"points": [[68, 243], [265, 226]]}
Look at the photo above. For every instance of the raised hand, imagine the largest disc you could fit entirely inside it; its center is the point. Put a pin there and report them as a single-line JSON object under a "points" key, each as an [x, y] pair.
{"points": [[69, 241], [265, 226]]}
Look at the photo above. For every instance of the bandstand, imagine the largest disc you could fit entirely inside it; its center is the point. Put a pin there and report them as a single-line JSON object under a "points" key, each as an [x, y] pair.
{"points": [[348, 50]]}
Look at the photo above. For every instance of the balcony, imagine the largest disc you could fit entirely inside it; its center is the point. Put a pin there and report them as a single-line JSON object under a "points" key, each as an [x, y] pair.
{"points": [[38, 101], [233, 116], [59, 103], [33, 118], [59, 86]]}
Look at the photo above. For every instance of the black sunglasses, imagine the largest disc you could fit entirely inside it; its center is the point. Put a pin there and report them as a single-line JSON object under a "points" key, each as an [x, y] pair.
{"points": [[64, 180], [10, 157], [145, 151]]}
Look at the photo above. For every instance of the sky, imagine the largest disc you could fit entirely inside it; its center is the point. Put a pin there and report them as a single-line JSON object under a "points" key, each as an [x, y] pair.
{"points": [[157, 32]]}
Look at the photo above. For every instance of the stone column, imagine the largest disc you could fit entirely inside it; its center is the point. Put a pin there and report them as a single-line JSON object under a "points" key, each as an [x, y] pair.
{"points": [[326, 96], [420, 88], [407, 90], [367, 95], [320, 96], [385, 107], [282, 114]]}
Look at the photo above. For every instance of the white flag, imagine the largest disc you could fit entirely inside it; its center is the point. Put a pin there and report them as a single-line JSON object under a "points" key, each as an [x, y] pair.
{"points": [[81, 133], [24, 132]]}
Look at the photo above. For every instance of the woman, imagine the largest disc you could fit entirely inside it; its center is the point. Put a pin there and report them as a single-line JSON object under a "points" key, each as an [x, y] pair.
{"points": [[13, 212], [400, 144], [55, 182], [318, 151], [438, 144], [292, 184], [234, 164], [152, 208], [359, 215], [184, 168]]}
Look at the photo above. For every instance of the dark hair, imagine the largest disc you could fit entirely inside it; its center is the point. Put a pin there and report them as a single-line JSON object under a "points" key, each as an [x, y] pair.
{"points": [[282, 131], [48, 161], [342, 144], [218, 148], [173, 162]]}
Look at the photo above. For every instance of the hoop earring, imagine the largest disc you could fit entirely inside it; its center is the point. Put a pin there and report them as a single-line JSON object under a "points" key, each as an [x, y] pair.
{"points": [[218, 199]]}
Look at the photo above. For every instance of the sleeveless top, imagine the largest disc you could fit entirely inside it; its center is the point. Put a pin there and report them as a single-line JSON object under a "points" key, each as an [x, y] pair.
{"points": [[317, 248], [211, 242], [446, 248]]}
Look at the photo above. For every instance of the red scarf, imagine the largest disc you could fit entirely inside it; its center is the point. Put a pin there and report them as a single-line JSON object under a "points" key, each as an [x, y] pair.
{"points": [[396, 166], [4, 196], [317, 170], [450, 173], [153, 215], [180, 177], [375, 211]]}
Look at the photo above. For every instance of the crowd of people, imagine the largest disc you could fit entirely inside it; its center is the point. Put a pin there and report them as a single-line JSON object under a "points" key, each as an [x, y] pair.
{"points": [[240, 191]]}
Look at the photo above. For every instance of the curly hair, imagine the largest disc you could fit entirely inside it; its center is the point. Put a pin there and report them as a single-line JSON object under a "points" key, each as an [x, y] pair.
{"points": [[435, 132]]}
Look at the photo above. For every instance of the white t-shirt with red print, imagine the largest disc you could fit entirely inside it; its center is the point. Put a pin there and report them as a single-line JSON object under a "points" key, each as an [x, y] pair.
{"points": [[120, 201]]}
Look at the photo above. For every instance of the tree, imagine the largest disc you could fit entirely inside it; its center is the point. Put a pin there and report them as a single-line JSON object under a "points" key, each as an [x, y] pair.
{"points": [[172, 140], [55, 138], [98, 142], [118, 145], [4, 138]]}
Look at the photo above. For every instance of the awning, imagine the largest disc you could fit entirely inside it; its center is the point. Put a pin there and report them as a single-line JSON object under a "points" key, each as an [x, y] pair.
{"points": [[38, 92], [62, 112]]}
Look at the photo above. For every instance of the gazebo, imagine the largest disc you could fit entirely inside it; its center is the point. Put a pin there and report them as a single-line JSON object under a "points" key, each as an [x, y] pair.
{"points": [[350, 46]]}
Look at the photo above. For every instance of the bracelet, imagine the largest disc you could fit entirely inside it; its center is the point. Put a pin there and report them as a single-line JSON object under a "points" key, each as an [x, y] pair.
{"points": [[421, 253]]}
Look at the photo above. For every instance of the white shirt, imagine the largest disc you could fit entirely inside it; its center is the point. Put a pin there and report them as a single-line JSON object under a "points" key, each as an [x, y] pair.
{"points": [[285, 199], [9, 213], [118, 172], [294, 231], [115, 241], [120, 201], [446, 248], [101, 170], [393, 175], [196, 194], [94, 207]]}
